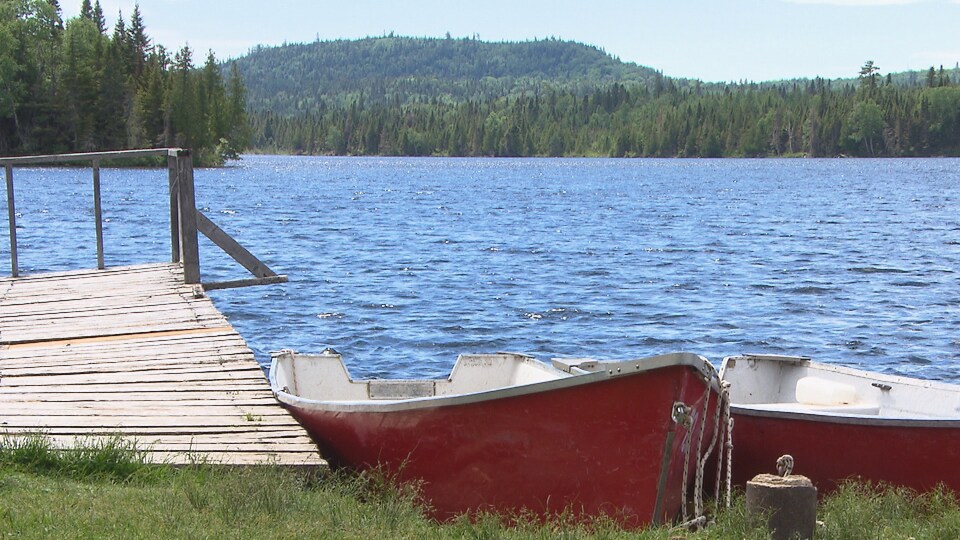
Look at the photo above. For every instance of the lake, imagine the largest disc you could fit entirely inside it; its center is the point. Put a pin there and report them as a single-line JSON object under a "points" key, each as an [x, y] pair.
{"points": [[401, 264]]}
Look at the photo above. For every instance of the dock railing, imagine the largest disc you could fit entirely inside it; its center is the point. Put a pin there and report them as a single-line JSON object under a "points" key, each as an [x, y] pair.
{"points": [[185, 220]]}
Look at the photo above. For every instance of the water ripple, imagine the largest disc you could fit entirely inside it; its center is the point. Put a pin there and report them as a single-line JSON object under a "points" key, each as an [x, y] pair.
{"points": [[402, 264]]}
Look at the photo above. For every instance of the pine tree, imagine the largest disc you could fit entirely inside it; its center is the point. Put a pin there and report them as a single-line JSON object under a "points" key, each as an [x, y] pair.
{"points": [[869, 74], [113, 104], [86, 10], [238, 134], [149, 105], [212, 98], [181, 100], [97, 17], [140, 43], [81, 75], [11, 86]]}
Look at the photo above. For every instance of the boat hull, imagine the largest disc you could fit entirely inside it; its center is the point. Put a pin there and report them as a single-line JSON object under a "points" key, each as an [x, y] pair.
{"points": [[842, 423], [610, 446], [828, 451]]}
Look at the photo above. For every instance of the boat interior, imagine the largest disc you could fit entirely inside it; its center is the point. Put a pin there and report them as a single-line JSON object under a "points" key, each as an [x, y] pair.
{"points": [[795, 384], [324, 377]]}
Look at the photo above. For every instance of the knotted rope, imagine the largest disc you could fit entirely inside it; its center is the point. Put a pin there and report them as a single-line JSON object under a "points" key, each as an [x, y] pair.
{"points": [[724, 435], [726, 443], [785, 465]]}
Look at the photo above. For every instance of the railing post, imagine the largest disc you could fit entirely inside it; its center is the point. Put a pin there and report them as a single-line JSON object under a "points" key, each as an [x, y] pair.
{"points": [[12, 211], [189, 246], [173, 173], [98, 213], [186, 222]]}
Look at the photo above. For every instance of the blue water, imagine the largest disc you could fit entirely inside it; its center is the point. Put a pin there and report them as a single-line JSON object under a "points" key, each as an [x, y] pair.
{"points": [[402, 264]]}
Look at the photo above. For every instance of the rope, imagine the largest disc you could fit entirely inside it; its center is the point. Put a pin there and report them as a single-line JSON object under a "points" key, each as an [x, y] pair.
{"points": [[724, 435], [693, 524], [681, 415], [698, 478], [729, 453], [726, 441], [785, 465]]}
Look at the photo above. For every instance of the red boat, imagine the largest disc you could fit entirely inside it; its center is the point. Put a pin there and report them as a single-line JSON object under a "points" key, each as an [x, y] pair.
{"points": [[840, 423], [509, 434]]}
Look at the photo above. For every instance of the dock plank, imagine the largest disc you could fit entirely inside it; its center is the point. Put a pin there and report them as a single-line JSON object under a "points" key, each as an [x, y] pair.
{"points": [[133, 352]]}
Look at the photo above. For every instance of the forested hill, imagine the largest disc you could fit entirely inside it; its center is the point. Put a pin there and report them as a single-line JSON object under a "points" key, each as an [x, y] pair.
{"points": [[465, 97], [75, 85], [297, 78]]}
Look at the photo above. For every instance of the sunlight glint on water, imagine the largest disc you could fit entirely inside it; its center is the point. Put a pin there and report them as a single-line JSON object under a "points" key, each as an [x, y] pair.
{"points": [[401, 264]]}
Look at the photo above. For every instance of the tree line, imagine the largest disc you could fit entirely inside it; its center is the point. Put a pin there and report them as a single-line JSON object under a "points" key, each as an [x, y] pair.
{"points": [[77, 86], [872, 116]]}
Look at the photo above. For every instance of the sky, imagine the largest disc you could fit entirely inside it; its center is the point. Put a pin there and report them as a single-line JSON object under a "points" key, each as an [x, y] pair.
{"points": [[710, 40]]}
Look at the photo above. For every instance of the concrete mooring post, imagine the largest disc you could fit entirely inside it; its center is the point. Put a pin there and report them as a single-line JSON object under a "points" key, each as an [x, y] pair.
{"points": [[789, 502]]}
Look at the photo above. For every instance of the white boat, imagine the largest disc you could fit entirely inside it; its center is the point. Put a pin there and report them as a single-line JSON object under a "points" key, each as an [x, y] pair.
{"points": [[840, 423]]}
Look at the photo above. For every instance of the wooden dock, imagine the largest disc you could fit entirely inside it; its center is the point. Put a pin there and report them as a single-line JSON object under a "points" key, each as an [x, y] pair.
{"points": [[136, 352]]}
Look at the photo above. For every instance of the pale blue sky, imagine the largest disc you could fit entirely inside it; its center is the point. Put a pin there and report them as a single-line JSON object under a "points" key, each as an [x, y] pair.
{"points": [[713, 40]]}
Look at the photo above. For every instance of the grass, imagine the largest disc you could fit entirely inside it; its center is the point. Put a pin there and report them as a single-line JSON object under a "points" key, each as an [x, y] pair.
{"points": [[108, 490]]}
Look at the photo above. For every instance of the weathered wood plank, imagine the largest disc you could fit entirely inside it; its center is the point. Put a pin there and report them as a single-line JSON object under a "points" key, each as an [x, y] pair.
{"points": [[77, 308], [11, 220], [38, 423], [127, 343], [218, 445], [232, 248], [138, 409], [145, 363], [299, 460], [135, 352], [174, 431], [151, 270], [93, 331], [106, 354], [209, 386], [48, 401], [186, 204], [87, 156]]}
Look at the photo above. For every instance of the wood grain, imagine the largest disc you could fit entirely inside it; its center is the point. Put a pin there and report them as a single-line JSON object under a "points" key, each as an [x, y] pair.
{"points": [[133, 352]]}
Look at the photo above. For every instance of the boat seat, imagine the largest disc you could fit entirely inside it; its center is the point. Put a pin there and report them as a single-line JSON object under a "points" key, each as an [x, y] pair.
{"points": [[865, 409], [817, 391], [399, 389]]}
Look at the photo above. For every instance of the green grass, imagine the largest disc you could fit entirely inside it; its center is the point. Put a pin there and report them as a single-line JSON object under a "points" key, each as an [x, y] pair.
{"points": [[107, 490]]}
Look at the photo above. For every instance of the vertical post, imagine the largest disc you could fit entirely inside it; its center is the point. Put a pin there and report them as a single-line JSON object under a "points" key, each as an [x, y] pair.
{"points": [[12, 211], [98, 213], [189, 247], [173, 172]]}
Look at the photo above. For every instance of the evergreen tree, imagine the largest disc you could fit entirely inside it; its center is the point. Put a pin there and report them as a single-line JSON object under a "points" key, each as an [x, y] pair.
{"points": [[86, 10], [81, 74], [869, 74], [11, 87], [73, 88], [238, 134], [139, 42], [149, 105], [98, 17], [181, 102]]}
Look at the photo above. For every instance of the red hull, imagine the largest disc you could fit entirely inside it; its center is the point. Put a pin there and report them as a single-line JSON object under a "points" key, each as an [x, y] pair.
{"points": [[917, 457], [591, 449]]}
